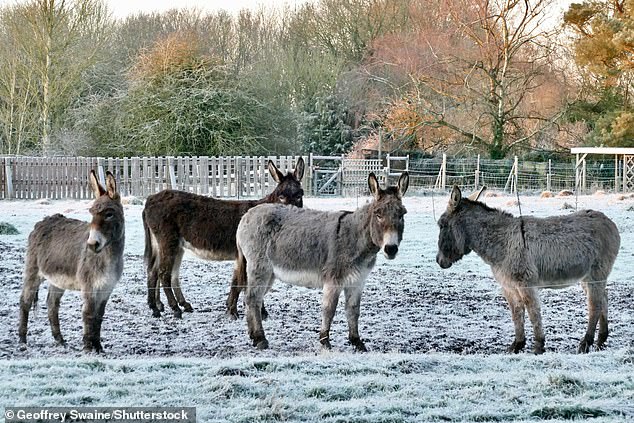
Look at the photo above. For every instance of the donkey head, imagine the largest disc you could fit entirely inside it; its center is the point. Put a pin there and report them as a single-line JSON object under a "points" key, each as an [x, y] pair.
{"points": [[107, 222], [386, 214], [289, 188], [452, 245]]}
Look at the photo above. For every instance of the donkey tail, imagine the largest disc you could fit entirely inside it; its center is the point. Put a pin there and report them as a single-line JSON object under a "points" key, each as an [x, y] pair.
{"points": [[238, 284], [149, 254]]}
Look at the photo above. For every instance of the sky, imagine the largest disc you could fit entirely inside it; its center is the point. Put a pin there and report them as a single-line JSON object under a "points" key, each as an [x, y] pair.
{"points": [[122, 8]]}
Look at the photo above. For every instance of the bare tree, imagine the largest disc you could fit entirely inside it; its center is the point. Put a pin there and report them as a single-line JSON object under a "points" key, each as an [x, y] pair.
{"points": [[54, 42], [476, 68]]}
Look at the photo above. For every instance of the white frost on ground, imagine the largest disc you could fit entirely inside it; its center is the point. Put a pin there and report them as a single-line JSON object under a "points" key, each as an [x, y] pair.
{"points": [[437, 337]]}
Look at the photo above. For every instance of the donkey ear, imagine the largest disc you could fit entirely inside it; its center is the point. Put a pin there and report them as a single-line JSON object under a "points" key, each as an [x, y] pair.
{"points": [[299, 169], [97, 189], [474, 196], [111, 186], [275, 172], [403, 184], [455, 198], [373, 183]]}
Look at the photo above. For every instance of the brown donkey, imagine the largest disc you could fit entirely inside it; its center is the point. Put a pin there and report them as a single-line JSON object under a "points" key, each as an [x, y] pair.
{"points": [[77, 255], [176, 220]]}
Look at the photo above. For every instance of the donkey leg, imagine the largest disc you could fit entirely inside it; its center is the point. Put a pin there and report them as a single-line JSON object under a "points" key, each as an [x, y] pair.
{"points": [[100, 309], [234, 292], [153, 291], [517, 314], [530, 297], [168, 254], [88, 317], [52, 302], [595, 293], [258, 286], [177, 285], [238, 284], [29, 295], [353, 308], [328, 307], [603, 322]]}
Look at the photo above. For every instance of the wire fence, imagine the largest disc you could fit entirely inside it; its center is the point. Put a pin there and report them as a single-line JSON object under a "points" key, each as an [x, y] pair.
{"points": [[245, 177], [511, 174]]}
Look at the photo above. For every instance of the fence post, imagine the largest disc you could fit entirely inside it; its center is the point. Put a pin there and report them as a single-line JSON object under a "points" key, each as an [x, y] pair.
{"points": [[616, 173], [444, 170], [343, 159], [583, 172], [516, 165], [8, 177], [388, 169], [171, 172], [549, 176], [100, 171], [477, 173]]}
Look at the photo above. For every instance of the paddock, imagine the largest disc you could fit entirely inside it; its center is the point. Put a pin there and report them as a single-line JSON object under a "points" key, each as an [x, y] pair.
{"points": [[436, 338]]}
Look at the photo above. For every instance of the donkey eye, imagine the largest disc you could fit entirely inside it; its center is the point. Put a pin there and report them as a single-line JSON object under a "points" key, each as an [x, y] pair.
{"points": [[109, 216], [379, 216]]}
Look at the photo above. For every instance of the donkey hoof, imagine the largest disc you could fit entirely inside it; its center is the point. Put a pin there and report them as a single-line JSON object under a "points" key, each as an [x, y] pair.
{"points": [[516, 347], [178, 314], [156, 313], [584, 347], [539, 349], [325, 344], [232, 315], [60, 341], [359, 345], [22, 346], [187, 307], [262, 345]]}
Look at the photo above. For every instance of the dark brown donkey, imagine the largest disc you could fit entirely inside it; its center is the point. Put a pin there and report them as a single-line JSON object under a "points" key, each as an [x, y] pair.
{"points": [[77, 255], [176, 220]]}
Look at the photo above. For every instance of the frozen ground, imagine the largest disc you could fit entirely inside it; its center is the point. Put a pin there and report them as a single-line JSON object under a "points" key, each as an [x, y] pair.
{"points": [[437, 338]]}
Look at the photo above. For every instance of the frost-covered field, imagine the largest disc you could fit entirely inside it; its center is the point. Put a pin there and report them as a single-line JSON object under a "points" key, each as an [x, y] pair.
{"points": [[437, 338]]}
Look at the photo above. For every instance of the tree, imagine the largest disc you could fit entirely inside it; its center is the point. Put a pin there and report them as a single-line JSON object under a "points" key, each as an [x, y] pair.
{"points": [[54, 42], [603, 41], [179, 101], [475, 68]]}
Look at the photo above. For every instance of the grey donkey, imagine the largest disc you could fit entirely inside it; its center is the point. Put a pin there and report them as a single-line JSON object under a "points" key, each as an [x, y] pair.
{"points": [[529, 253], [334, 251], [77, 255]]}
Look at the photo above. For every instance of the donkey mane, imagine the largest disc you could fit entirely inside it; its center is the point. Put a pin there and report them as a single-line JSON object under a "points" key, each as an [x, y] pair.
{"points": [[465, 203]]}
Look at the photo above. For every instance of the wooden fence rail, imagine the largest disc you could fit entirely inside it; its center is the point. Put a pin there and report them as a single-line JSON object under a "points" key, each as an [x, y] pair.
{"points": [[67, 177]]}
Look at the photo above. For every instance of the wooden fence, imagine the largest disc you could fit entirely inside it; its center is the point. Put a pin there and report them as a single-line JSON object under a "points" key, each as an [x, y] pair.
{"points": [[67, 177]]}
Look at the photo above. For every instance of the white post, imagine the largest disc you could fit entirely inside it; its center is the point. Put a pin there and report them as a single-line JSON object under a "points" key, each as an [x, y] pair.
{"points": [[616, 173], [172, 173], [548, 175], [477, 173], [8, 177], [583, 174], [444, 170], [515, 175], [100, 171]]}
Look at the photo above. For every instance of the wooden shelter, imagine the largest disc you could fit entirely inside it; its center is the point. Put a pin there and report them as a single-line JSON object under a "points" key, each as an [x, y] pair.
{"points": [[623, 166]]}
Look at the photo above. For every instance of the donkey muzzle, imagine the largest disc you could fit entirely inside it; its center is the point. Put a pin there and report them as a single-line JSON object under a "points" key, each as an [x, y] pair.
{"points": [[96, 241], [390, 251], [442, 261]]}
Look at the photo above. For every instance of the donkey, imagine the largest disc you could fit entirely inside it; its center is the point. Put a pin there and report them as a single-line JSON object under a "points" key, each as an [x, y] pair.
{"points": [[176, 220], [529, 253], [77, 255], [333, 251]]}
